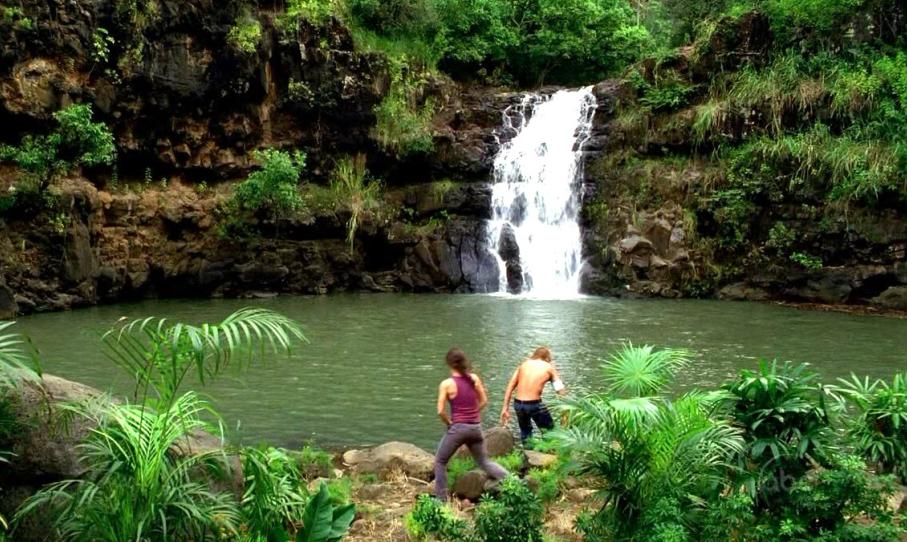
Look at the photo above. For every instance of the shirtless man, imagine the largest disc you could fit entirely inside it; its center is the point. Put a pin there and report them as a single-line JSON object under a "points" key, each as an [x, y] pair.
{"points": [[529, 381]]}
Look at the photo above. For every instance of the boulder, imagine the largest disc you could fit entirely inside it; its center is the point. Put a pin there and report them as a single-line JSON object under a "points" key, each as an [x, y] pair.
{"points": [[389, 457], [894, 297], [471, 485], [509, 250], [897, 502], [540, 460], [635, 244], [46, 449], [498, 441], [741, 291]]}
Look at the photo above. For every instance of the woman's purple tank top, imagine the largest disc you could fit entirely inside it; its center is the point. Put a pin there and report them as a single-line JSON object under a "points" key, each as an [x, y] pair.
{"points": [[464, 408]]}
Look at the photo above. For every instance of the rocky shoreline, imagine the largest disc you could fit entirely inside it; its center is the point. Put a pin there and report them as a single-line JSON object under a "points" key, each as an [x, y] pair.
{"points": [[384, 481]]}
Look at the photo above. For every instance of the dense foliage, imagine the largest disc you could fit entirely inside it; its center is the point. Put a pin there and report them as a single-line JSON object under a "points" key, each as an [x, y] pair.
{"points": [[754, 461], [148, 476], [274, 189], [77, 141], [514, 513]]}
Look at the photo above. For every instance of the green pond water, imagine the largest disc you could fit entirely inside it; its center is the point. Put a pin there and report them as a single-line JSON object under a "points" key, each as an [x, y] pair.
{"points": [[371, 371]]}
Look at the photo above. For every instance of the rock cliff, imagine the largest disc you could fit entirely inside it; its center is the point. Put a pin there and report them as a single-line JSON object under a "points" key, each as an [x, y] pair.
{"points": [[187, 109]]}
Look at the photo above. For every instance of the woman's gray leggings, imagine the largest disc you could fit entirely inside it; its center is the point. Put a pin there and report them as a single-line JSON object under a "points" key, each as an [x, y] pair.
{"points": [[457, 435]]}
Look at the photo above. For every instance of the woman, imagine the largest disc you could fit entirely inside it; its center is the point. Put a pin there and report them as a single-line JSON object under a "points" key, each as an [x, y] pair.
{"points": [[466, 395]]}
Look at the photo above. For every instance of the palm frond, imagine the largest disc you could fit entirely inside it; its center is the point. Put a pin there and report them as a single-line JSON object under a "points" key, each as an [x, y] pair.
{"points": [[18, 359], [160, 353], [639, 371]]}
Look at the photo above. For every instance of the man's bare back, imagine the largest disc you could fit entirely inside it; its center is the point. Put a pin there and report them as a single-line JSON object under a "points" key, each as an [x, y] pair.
{"points": [[532, 375], [528, 383]]}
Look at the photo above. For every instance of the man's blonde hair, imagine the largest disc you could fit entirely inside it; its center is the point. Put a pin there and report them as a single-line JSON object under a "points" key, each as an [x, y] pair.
{"points": [[543, 353]]}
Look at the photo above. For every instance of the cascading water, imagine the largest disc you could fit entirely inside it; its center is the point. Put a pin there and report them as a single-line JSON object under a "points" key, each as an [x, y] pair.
{"points": [[534, 230]]}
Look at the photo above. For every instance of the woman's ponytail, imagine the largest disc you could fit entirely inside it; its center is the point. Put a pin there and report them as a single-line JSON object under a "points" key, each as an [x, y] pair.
{"points": [[457, 360]]}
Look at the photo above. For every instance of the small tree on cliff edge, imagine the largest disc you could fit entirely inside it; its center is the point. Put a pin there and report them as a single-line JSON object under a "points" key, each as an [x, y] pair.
{"points": [[76, 142], [273, 190]]}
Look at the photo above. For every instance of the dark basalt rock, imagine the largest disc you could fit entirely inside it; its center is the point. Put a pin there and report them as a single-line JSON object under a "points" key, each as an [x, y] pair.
{"points": [[509, 251]]}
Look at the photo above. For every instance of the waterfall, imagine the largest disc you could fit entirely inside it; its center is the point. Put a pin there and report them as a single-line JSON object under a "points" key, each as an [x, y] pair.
{"points": [[534, 230]]}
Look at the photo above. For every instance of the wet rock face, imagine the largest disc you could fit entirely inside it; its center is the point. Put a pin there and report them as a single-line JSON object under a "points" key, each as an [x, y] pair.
{"points": [[509, 251]]}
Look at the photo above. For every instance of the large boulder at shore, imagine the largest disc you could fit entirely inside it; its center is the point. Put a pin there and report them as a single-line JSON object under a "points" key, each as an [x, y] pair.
{"points": [[498, 441], [46, 448], [390, 457]]}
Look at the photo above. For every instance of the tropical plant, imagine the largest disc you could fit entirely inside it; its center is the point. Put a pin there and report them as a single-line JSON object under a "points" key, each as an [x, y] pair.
{"points": [[656, 462], [322, 521], [785, 415], [145, 475], [274, 189], [272, 500], [642, 371], [17, 363], [515, 513], [431, 518], [16, 367], [160, 354], [879, 429], [77, 141], [403, 118], [352, 187], [141, 479], [843, 502]]}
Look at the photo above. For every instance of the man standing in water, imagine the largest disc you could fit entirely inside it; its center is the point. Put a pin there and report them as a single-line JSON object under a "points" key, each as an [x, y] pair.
{"points": [[529, 381]]}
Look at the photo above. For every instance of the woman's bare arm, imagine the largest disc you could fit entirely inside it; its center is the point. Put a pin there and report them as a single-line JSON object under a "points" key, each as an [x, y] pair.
{"points": [[442, 403]]}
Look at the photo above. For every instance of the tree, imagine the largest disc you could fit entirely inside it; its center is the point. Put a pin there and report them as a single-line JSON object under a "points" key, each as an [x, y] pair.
{"points": [[76, 142]]}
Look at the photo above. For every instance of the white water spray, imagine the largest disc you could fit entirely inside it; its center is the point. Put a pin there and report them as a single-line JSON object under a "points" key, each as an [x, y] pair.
{"points": [[536, 194]]}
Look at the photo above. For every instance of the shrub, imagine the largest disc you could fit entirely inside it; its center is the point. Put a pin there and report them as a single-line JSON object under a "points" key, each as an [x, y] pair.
{"points": [[430, 518], [806, 260], [77, 141], [547, 482], [245, 34], [273, 190], [879, 429], [272, 501], [316, 11], [785, 415], [340, 491], [313, 462], [403, 119], [514, 514], [17, 17], [842, 503]]}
